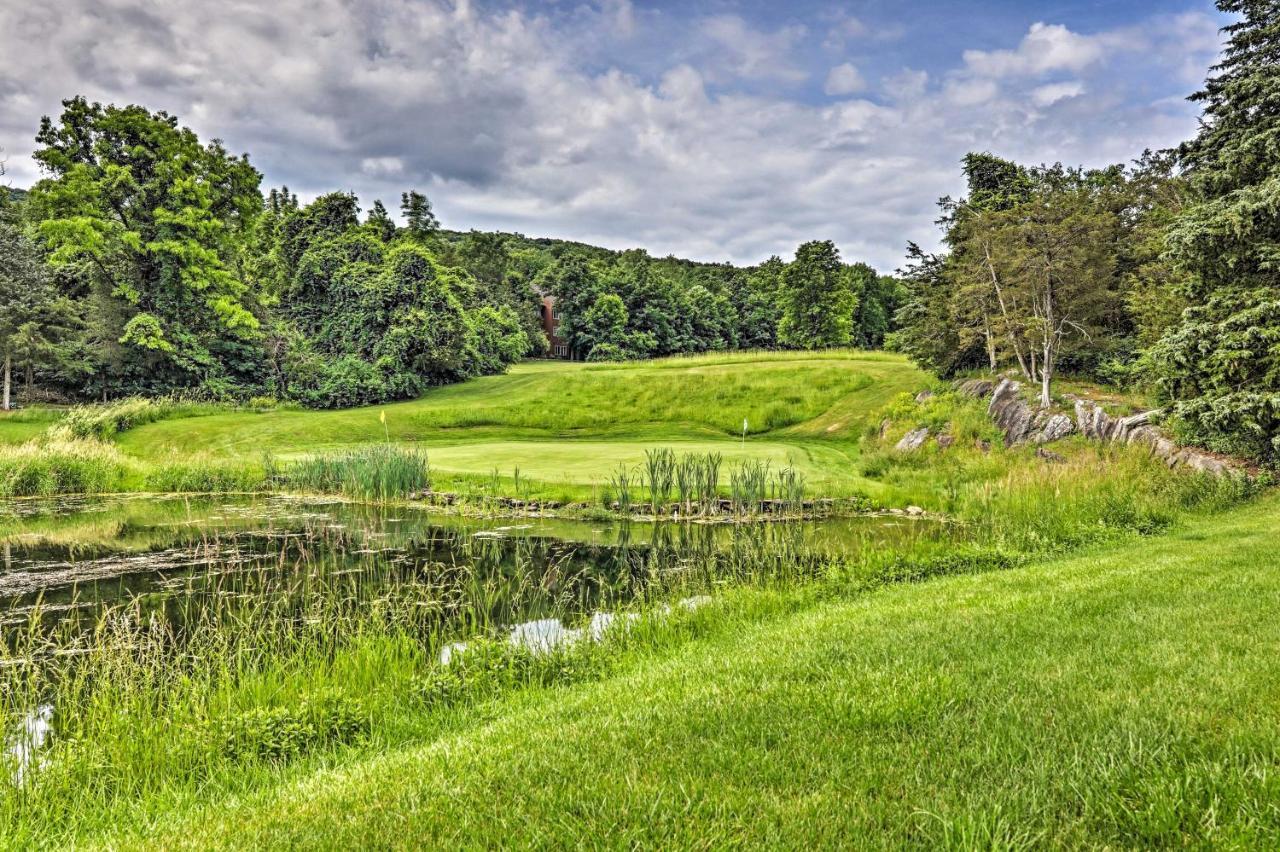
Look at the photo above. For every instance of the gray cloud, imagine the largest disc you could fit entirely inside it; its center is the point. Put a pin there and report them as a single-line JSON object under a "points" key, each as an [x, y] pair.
{"points": [[500, 118]]}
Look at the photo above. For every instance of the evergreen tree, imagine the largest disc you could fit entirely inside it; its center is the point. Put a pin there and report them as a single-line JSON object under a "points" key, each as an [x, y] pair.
{"points": [[420, 222], [1221, 363], [379, 221]]}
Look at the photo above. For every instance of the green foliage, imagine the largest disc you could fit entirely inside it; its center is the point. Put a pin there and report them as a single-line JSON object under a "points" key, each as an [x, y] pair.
{"points": [[817, 299], [1221, 363], [156, 223]]}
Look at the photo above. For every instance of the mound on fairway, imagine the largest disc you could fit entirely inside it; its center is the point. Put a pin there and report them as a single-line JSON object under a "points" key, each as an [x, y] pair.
{"points": [[576, 423]]}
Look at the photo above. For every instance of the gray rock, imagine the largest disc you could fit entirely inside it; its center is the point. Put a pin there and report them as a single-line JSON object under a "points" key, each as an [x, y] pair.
{"points": [[1055, 428], [915, 511], [1014, 417], [924, 396], [945, 441], [913, 440], [1050, 456], [976, 388]]}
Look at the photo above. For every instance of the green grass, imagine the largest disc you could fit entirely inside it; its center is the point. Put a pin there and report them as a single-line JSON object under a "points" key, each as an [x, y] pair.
{"points": [[572, 424], [1117, 698]]}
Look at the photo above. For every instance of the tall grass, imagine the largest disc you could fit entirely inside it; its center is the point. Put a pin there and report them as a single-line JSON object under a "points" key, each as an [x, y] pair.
{"points": [[47, 468], [374, 472], [101, 422]]}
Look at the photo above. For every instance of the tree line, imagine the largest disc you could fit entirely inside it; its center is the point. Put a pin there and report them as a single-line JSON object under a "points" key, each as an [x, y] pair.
{"points": [[148, 262], [1163, 274]]}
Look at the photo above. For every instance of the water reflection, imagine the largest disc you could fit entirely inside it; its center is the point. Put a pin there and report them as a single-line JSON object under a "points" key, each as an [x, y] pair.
{"points": [[67, 559]]}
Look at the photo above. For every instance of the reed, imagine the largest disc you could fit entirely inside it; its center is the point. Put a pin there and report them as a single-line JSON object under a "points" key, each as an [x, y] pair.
{"points": [[374, 472], [660, 467]]}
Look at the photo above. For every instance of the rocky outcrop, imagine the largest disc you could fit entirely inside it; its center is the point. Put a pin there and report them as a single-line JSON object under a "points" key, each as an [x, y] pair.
{"points": [[913, 440], [1007, 408], [1055, 428], [1022, 423], [1137, 429]]}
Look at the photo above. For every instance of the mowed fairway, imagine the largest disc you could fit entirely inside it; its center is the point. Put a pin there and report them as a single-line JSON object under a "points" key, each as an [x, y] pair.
{"points": [[575, 423], [1121, 698]]}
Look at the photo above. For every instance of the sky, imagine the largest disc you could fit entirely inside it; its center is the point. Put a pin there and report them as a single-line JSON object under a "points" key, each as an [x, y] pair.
{"points": [[719, 130]]}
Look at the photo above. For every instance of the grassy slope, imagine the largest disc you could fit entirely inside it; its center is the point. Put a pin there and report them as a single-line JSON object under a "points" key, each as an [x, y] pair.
{"points": [[575, 422], [1122, 697]]}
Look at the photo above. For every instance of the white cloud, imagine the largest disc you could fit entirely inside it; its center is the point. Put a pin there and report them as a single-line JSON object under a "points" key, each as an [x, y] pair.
{"points": [[501, 119], [755, 54], [844, 79], [1053, 92], [1047, 47]]}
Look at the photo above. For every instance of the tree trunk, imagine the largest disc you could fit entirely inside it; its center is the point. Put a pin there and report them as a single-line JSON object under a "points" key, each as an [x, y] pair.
{"points": [[8, 370]]}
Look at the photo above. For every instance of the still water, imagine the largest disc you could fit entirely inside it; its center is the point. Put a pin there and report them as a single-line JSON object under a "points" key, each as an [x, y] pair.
{"points": [[68, 558]]}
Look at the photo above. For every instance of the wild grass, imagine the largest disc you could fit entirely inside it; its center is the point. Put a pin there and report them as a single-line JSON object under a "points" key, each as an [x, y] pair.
{"points": [[376, 472], [1118, 699], [274, 674], [47, 468]]}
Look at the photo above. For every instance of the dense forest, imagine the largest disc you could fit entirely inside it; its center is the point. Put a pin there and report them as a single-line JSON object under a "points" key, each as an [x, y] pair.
{"points": [[1164, 274], [147, 262]]}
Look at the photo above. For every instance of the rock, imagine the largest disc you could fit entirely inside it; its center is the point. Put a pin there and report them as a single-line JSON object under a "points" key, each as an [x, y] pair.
{"points": [[1205, 463], [915, 511], [885, 425], [945, 441], [924, 396], [913, 440], [1014, 417], [1050, 456], [976, 388], [1056, 427]]}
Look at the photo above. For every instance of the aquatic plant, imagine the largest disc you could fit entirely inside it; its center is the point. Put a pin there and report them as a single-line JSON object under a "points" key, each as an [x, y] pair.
{"points": [[373, 472]]}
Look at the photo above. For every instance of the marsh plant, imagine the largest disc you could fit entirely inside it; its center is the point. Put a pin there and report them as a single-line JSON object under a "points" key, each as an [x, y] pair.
{"points": [[374, 472], [660, 470]]}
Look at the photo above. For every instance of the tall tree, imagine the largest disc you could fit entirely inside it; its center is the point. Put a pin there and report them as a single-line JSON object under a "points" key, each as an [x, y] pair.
{"points": [[1221, 363], [161, 221], [817, 299], [420, 221]]}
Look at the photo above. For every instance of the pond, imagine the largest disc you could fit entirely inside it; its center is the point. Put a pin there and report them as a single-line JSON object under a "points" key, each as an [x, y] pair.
{"points": [[68, 558]]}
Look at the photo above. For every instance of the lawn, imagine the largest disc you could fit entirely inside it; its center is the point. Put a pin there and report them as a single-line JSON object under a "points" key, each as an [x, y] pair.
{"points": [[574, 423], [1124, 697]]}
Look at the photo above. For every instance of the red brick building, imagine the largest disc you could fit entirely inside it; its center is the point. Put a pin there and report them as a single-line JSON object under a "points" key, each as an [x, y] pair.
{"points": [[557, 346]]}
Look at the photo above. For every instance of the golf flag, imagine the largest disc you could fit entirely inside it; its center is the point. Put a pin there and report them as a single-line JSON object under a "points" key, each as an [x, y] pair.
{"points": [[382, 416]]}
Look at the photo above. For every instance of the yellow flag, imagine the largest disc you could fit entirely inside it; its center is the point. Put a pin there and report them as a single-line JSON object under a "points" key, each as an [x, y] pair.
{"points": [[382, 415]]}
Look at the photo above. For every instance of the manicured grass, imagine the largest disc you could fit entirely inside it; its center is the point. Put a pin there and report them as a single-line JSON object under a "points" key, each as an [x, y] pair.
{"points": [[573, 423], [1121, 698]]}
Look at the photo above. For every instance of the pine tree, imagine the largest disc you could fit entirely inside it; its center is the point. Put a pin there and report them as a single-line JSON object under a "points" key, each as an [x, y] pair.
{"points": [[1221, 363], [416, 209]]}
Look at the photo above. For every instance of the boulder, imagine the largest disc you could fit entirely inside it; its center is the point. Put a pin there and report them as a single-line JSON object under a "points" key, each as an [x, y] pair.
{"points": [[1014, 417], [915, 511], [913, 440], [1055, 427], [945, 441], [924, 396], [976, 388]]}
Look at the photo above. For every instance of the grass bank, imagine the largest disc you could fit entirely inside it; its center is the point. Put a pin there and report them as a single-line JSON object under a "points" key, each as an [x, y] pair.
{"points": [[1117, 698]]}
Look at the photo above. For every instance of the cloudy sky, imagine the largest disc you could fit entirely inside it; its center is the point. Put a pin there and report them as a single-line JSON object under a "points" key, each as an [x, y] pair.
{"points": [[719, 130]]}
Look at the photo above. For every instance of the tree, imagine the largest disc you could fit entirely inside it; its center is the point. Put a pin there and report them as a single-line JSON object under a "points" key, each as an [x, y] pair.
{"points": [[817, 299], [379, 221], [759, 302], [1054, 253], [1220, 365], [159, 222], [420, 222], [25, 294]]}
